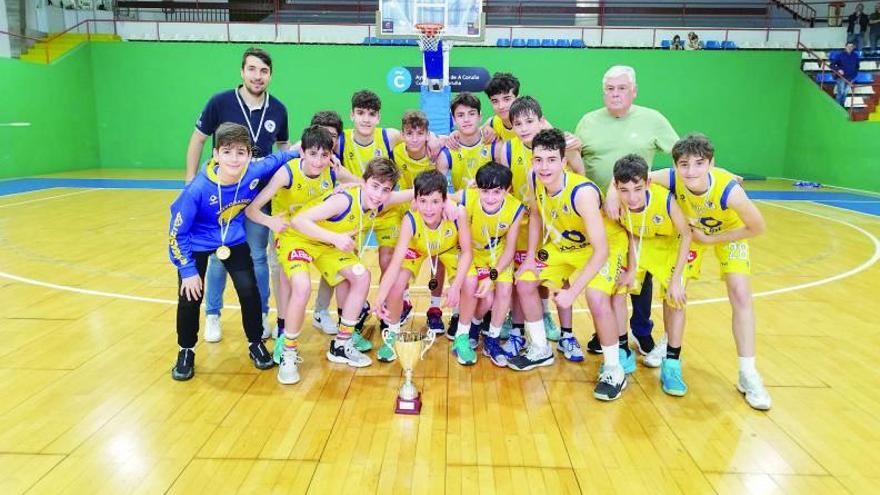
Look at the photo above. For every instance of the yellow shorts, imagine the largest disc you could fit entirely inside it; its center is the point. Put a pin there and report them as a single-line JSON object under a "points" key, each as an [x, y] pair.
{"points": [[522, 238], [658, 257], [387, 237], [732, 256], [561, 267], [413, 262], [296, 254], [483, 263]]}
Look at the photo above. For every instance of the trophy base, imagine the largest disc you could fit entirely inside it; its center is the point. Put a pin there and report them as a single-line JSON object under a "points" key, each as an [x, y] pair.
{"points": [[409, 406]]}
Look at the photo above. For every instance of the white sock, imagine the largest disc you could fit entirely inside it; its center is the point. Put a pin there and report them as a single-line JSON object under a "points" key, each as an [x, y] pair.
{"points": [[747, 365], [435, 301], [477, 321], [546, 304], [394, 327], [406, 295], [535, 331], [463, 329], [609, 353], [515, 331], [494, 331], [455, 311], [190, 349]]}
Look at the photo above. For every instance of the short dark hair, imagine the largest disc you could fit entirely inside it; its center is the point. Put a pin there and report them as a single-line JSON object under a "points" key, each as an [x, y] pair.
{"points": [[261, 54], [630, 168], [494, 175], [523, 106], [550, 139], [383, 170], [316, 136], [430, 181], [501, 83], [693, 145], [467, 99], [328, 118], [366, 99], [414, 119], [229, 134]]}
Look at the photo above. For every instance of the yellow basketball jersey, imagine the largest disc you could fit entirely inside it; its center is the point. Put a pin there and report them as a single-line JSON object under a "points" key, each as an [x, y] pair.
{"points": [[657, 222], [355, 157], [409, 167], [434, 241], [502, 133], [519, 158], [466, 160], [708, 210], [352, 219], [301, 189], [489, 230], [389, 217]]}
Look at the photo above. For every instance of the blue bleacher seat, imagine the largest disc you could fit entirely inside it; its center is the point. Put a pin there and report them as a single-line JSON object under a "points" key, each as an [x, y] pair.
{"points": [[385, 42], [578, 43], [728, 45], [518, 43], [398, 42], [372, 40], [366, 40], [412, 42], [533, 43], [665, 44], [864, 78], [825, 78], [563, 44], [502, 42], [548, 43], [713, 45]]}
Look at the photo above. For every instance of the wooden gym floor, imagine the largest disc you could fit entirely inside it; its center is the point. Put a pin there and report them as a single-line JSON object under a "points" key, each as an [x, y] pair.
{"points": [[87, 340]]}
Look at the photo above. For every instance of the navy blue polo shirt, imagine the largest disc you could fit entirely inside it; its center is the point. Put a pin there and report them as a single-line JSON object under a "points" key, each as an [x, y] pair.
{"points": [[225, 107]]}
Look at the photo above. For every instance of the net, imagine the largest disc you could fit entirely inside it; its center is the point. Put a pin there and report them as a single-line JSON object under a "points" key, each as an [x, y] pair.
{"points": [[429, 37]]}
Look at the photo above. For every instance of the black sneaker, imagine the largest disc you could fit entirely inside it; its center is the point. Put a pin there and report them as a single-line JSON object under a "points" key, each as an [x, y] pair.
{"points": [[365, 314], [533, 358], [593, 346], [452, 328], [185, 367], [644, 344], [474, 334], [260, 356], [611, 383]]}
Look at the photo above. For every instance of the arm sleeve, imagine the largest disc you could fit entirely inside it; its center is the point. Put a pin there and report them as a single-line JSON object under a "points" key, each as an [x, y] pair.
{"points": [[270, 164], [183, 210], [283, 129], [208, 119], [666, 137]]}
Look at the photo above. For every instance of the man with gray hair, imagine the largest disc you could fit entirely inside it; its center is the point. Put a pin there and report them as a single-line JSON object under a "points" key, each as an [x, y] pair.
{"points": [[609, 133]]}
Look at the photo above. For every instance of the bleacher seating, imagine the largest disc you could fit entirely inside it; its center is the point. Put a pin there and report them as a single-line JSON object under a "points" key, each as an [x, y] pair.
{"points": [[866, 85], [728, 45], [533, 43], [666, 44], [503, 43], [578, 43], [563, 44], [713, 45], [519, 43], [548, 43]]}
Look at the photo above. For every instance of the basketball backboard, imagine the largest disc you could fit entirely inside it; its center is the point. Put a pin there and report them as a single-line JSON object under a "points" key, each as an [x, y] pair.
{"points": [[462, 19]]}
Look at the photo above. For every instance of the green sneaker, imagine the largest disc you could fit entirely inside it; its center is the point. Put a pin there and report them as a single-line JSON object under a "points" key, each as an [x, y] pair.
{"points": [[360, 343], [276, 350], [506, 328], [386, 353], [551, 328], [461, 347], [670, 378]]}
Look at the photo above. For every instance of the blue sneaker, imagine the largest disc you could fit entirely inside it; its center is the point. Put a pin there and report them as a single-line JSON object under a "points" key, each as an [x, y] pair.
{"points": [[462, 350], [570, 348], [670, 378], [628, 363], [435, 320], [492, 349], [514, 345], [474, 335], [506, 327], [550, 327]]}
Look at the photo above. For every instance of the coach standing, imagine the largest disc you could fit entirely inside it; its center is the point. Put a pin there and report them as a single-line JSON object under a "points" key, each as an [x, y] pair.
{"points": [[266, 118], [609, 133]]}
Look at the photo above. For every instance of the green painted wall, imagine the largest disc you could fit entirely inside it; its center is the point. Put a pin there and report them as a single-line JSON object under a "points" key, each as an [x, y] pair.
{"points": [[58, 100], [825, 146], [151, 93]]}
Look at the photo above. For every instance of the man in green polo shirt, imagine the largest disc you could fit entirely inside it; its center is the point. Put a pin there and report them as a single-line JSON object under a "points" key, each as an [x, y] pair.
{"points": [[609, 133]]}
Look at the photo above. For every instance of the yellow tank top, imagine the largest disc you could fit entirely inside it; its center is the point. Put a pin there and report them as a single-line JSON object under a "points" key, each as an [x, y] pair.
{"points": [[425, 240], [466, 160], [708, 210], [352, 219], [657, 222], [301, 189], [503, 133], [355, 157], [409, 168], [489, 230], [519, 158]]}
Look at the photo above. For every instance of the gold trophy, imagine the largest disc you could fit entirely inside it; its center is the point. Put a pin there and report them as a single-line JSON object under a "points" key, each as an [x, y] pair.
{"points": [[410, 347]]}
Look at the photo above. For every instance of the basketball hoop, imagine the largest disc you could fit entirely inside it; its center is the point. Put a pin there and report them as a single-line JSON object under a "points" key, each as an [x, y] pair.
{"points": [[429, 37]]}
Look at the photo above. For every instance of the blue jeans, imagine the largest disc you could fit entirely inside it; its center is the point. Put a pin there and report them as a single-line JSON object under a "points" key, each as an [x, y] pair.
{"points": [[855, 38], [215, 279], [840, 90]]}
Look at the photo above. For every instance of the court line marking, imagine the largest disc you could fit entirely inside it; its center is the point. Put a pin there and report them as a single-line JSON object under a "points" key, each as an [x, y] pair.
{"points": [[37, 200], [862, 267]]}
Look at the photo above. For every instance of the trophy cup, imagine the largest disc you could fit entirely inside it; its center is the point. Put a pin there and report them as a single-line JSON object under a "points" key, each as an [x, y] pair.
{"points": [[410, 346]]}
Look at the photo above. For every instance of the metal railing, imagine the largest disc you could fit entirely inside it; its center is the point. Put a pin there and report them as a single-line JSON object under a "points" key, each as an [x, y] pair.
{"points": [[47, 43], [826, 68], [800, 9]]}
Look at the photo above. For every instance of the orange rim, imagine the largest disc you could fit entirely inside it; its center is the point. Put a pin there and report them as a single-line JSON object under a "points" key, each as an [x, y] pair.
{"points": [[429, 28]]}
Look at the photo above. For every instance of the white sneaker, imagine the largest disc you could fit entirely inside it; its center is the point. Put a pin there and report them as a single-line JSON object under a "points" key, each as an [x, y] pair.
{"points": [[324, 322], [753, 387], [212, 328], [348, 354], [655, 358], [288, 370], [267, 327]]}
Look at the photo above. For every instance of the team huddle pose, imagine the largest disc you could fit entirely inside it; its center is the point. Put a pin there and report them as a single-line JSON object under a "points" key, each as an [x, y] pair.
{"points": [[510, 228]]}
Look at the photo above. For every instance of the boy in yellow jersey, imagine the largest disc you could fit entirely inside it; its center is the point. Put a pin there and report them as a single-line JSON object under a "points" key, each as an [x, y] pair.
{"points": [[494, 216], [567, 233], [329, 234], [502, 90], [425, 235], [660, 239], [472, 153], [528, 120], [722, 218]]}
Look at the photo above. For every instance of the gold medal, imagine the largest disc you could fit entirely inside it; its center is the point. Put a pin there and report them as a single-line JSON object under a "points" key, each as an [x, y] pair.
{"points": [[543, 255], [223, 252], [432, 284], [358, 269]]}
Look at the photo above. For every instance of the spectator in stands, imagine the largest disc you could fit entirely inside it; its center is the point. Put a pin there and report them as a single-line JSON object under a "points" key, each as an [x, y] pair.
{"points": [[676, 43], [846, 65], [874, 21], [693, 42], [857, 26]]}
